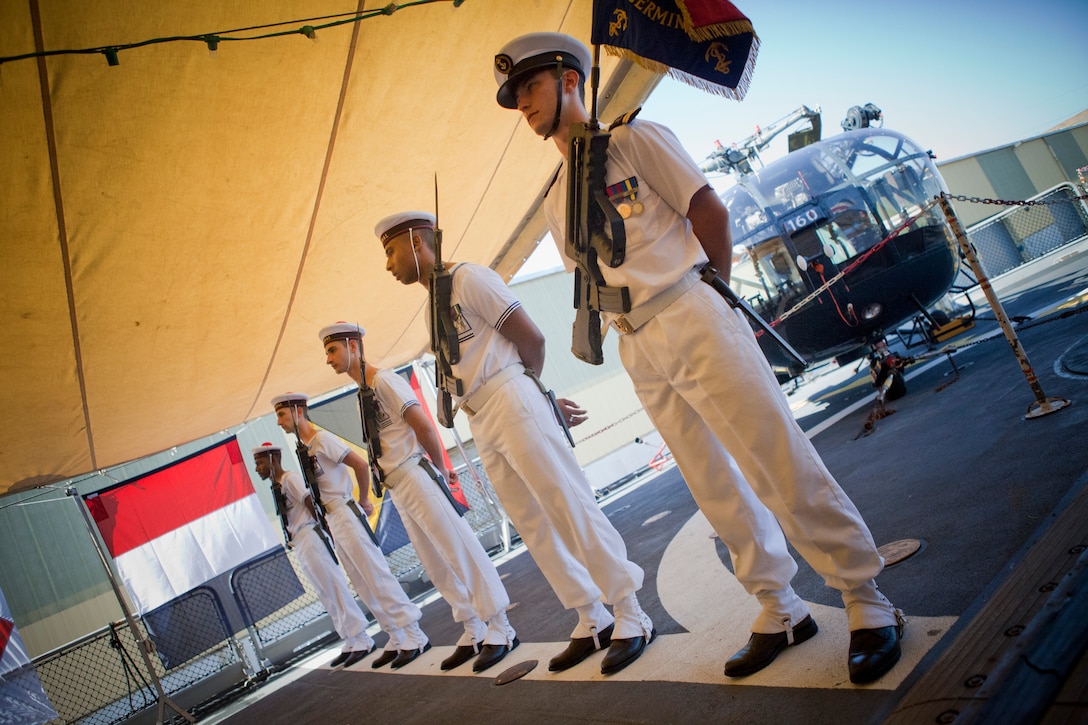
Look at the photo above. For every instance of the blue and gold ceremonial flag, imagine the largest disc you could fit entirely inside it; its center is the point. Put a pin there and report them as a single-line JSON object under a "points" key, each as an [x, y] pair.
{"points": [[708, 44]]}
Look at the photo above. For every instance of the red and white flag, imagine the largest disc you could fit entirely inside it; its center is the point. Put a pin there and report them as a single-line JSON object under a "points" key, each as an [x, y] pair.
{"points": [[22, 699], [176, 528]]}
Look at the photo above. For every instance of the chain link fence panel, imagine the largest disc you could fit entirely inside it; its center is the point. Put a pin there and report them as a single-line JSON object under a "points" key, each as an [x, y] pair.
{"points": [[1026, 231], [101, 679]]}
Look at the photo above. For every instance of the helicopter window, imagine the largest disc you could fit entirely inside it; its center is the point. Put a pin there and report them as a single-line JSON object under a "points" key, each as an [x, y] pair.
{"points": [[807, 243], [851, 231], [791, 194], [776, 267], [838, 243], [900, 192], [745, 278], [823, 243], [749, 219], [745, 214], [825, 174]]}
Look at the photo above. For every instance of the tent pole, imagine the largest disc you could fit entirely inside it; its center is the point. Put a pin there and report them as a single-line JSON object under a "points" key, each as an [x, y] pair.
{"points": [[145, 645]]}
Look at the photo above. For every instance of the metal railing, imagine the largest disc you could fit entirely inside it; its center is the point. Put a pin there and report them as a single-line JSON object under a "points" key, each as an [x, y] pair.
{"points": [[1027, 230], [205, 647]]}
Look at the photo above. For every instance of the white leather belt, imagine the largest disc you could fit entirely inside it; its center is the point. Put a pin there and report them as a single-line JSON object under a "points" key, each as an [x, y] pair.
{"points": [[629, 322], [392, 478], [474, 402], [334, 504]]}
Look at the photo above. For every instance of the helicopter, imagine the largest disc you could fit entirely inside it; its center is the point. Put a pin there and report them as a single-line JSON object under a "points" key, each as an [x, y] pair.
{"points": [[836, 243]]}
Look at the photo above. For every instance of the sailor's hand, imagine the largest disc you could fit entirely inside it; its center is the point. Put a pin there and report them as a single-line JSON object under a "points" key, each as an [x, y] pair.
{"points": [[451, 477], [367, 506], [572, 413]]}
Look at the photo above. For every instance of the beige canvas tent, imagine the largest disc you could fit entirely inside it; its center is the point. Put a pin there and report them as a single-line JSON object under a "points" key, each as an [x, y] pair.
{"points": [[176, 227]]}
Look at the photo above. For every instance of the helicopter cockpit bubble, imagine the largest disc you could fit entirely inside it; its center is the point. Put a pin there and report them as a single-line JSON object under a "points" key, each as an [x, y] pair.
{"points": [[830, 263]]}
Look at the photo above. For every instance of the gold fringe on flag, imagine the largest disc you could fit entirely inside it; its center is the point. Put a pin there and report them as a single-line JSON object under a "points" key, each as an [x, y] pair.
{"points": [[716, 30], [717, 89]]}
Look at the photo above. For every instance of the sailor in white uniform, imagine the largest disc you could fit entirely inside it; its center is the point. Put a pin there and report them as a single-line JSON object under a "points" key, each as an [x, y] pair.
{"points": [[524, 451], [360, 556], [701, 376], [303, 535], [411, 466]]}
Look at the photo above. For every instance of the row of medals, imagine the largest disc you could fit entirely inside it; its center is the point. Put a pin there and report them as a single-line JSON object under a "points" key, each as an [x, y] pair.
{"points": [[627, 208]]}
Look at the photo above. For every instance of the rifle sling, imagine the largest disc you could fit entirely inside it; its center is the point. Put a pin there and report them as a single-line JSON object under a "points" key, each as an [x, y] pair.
{"points": [[351, 504], [427, 466], [609, 299], [326, 541]]}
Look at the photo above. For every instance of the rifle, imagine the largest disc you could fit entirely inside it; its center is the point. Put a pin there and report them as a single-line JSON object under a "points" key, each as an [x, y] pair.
{"points": [[589, 212], [368, 412], [281, 508], [444, 341], [554, 402], [309, 476], [280, 499], [710, 276], [442, 484]]}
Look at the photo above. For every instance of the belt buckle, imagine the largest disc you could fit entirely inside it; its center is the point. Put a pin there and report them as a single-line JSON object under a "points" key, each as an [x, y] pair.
{"points": [[623, 325], [468, 411]]}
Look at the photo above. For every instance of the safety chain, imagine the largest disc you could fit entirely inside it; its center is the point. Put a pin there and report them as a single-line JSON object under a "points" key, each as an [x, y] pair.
{"points": [[895, 232], [1018, 202], [611, 425], [855, 262], [1065, 314]]}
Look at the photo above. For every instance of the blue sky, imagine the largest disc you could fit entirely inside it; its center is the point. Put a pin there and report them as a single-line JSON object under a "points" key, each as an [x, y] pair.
{"points": [[957, 76]]}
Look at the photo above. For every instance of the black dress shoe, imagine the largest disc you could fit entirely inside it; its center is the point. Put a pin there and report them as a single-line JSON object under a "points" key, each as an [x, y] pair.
{"points": [[623, 652], [339, 660], [491, 654], [356, 656], [387, 656], [873, 652], [462, 654], [578, 649], [407, 655], [762, 649]]}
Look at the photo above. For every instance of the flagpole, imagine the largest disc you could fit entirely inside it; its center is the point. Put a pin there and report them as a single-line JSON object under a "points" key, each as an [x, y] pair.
{"points": [[142, 643], [594, 83]]}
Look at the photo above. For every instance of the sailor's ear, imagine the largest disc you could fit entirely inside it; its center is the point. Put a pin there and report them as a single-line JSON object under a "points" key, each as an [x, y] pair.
{"points": [[571, 80]]}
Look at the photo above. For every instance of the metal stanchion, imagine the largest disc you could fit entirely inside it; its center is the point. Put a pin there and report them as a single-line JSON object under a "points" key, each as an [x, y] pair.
{"points": [[1042, 405], [142, 643]]}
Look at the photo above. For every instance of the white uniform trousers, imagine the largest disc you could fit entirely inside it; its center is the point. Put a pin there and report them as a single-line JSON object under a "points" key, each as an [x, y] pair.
{"points": [[368, 570], [546, 494], [450, 553], [705, 384], [332, 589]]}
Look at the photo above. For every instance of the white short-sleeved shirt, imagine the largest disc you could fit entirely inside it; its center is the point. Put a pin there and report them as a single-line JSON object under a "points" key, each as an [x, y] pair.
{"points": [[647, 159], [481, 303], [334, 480], [298, 514], [394, 396]]}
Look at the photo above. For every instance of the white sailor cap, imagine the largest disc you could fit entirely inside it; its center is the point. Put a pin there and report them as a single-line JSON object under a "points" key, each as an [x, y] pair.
{"points": [[290, 399], [530, 53], [395, 224], [341, 331], [265, 448]]}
